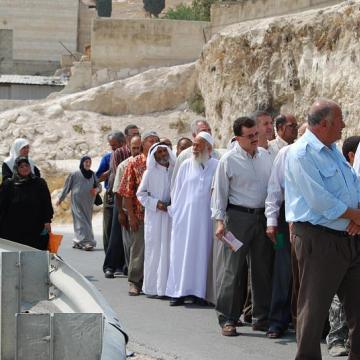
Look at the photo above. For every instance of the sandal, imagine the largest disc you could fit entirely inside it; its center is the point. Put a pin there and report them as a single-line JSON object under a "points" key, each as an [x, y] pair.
{"points": [[274, 334], [88, 247], [229, 330]]}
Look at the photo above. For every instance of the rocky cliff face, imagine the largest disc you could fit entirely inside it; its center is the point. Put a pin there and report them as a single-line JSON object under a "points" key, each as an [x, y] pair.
{"points": [[283, 63]]}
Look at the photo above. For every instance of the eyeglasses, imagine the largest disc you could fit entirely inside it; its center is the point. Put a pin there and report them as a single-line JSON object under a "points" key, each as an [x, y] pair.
{"points": [[251, 136], [292, 126]]}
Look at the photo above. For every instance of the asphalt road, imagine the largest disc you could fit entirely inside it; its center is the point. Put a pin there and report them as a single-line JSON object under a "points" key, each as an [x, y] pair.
{"points": [[164, 332]]}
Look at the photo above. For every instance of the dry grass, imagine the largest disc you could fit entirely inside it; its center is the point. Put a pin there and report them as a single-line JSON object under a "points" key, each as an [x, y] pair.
{"points": [[55, 182], [62, 213], [180, 125]]}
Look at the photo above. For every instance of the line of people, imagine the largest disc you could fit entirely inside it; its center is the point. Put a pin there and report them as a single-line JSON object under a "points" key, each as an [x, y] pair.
{"points": [[176, 213], [292, 203]]}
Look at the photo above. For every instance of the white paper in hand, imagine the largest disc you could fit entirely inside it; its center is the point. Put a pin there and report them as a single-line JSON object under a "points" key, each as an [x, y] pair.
{"points": [[232, 241]]}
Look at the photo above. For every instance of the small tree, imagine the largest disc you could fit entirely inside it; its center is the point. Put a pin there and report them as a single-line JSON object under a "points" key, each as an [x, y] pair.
{"points": [[202, 8], [154, 7], [104, 8], [181, 12]]}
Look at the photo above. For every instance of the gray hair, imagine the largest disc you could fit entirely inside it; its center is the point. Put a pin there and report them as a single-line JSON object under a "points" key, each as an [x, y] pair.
{"points": [[316, 116], [258, 113], [194, 125], [118, 136]]}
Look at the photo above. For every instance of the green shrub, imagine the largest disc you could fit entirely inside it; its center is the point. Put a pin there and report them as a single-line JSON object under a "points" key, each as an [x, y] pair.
{"points": [[79, 129], [199, 10], [181, 12], [196, 103]]}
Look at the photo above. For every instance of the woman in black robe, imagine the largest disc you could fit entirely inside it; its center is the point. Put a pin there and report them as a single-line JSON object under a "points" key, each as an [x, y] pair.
{"points": [[25, 207]]}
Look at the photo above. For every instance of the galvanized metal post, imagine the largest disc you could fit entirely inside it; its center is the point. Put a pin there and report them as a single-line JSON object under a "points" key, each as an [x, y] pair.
{"points": [[24, 279]]}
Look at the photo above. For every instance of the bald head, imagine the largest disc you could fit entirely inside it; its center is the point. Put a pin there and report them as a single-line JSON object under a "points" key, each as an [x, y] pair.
{"points": [[322, 109], [325, 121]]}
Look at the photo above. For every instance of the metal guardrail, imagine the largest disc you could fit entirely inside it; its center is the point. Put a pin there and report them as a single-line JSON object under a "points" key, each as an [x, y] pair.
{"points": [[48, 310]]}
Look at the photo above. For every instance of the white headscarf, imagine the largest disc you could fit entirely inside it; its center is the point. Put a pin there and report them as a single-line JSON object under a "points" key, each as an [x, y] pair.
{"points": [[17, 145], [151, 162]]}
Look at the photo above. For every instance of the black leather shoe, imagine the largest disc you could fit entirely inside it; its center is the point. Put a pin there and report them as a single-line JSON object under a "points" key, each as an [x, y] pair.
{"points": [[261, 325], [177, 301], [109, 274]]}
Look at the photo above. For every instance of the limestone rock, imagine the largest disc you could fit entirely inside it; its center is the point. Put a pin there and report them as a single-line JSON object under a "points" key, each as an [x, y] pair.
{"points": [[65, 127], [151, 91], [284, 62], [76, 133]]}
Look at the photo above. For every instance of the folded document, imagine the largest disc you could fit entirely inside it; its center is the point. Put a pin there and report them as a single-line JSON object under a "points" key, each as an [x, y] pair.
{"points": [[232, 241]]}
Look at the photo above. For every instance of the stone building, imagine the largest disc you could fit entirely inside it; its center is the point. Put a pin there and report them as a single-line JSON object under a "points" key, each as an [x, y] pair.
{"points": [[32, 33]]}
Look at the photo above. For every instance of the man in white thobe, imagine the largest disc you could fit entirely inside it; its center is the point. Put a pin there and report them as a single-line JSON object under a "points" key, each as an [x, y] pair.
{"points": [[197, 126], [191, 236], [154, 194]]}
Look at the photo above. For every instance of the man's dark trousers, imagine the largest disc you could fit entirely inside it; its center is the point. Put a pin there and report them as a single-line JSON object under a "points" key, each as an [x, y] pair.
{"points": [[115, 258], [108, 205], [329, 263], [250, 230], [280, 312]]}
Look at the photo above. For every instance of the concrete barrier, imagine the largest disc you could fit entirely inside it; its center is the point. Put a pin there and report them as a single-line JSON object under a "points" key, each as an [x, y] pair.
{"points": [[51, 312]]}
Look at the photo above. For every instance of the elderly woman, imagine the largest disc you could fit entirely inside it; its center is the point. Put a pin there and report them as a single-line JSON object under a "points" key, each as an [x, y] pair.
{"points": [[25, 207], [84, 187], [20, 147]]}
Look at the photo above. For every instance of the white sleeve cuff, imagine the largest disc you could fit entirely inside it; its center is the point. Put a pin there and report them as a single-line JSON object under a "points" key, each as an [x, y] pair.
{"points": [[271, 222]]}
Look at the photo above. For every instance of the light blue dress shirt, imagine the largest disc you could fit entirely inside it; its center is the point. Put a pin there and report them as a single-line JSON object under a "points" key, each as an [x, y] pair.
{"points": [[319, 184]]}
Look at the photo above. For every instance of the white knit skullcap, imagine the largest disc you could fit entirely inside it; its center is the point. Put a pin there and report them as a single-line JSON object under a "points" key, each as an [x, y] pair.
{"points": [[206, 136]]}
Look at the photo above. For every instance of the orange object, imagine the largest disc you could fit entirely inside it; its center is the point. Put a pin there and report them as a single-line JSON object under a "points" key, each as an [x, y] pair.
{"points": [[54, 242]]}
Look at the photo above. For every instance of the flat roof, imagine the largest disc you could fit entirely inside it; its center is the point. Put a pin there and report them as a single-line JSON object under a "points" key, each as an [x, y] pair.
{"points": [[32, 80]]}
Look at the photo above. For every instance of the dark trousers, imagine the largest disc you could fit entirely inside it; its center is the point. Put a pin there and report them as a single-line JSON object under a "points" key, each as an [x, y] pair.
{"points": [[115, 258], [250, 230], [107, 219], [247, 311], [280, 313], [329, 263], [295, 285]]}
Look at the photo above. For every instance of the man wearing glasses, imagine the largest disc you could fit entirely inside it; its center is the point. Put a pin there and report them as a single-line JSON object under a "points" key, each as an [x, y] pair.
{"points": [[278, 229], [240, 190], [287, 130]]}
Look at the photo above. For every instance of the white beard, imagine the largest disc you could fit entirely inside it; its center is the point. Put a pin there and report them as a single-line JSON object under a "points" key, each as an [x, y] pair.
{"points": [[202, 158]]}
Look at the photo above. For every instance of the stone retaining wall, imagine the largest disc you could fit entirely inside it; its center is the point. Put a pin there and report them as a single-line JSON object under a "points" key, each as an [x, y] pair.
{"points": [[232, 12], [134, 44]]}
